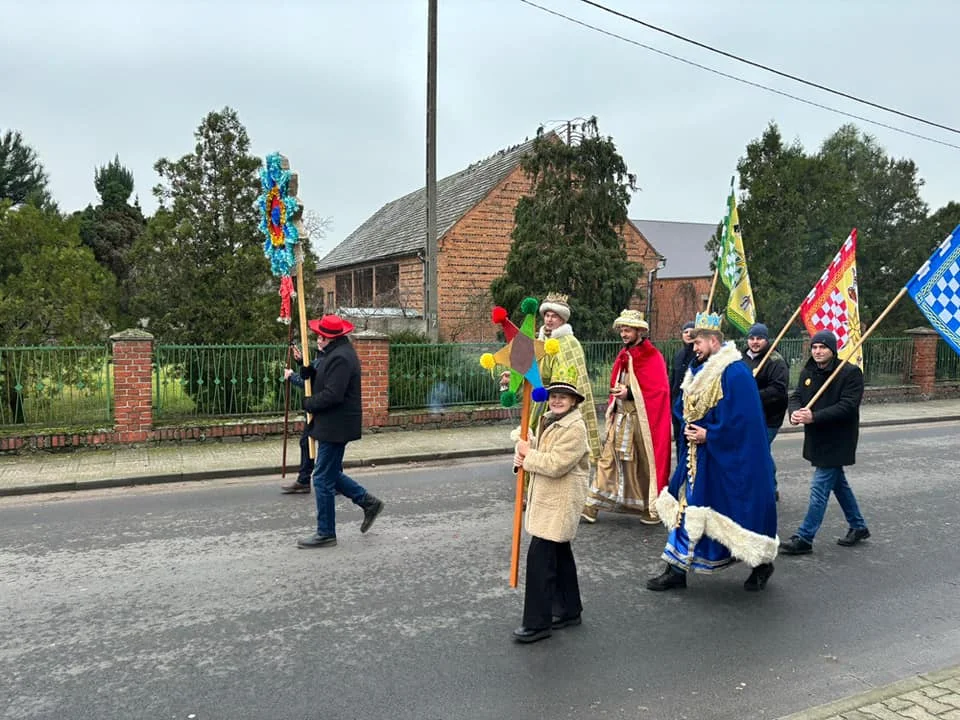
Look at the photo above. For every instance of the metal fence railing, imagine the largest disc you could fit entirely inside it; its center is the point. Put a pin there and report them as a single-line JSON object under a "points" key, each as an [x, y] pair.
{"points": [[219, 380], [948, 362], [55, 386], [72, 386], [438, 376], [886, 361]]}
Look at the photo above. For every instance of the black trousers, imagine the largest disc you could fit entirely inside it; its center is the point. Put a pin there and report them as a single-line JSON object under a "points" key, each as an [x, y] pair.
{"points": [[306, 462], [552, 587]]}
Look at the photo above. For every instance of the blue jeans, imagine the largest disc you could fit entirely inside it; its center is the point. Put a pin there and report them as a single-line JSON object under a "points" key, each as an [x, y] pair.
{"points": [[824, 480], [771, 434], [328, 480]]}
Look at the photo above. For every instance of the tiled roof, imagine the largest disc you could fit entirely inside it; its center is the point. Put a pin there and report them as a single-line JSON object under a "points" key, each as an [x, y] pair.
{"points": [[682, 244], [400, 227]]}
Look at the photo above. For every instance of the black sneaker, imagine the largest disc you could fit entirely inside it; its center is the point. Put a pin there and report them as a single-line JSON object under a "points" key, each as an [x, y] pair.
{"points": [[796, 546], [371, 508], [853, 537], [668, 580], [317, 541], [758, 578]]}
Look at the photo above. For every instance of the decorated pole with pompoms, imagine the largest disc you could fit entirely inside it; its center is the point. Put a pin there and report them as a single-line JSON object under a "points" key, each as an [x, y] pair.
{"points": [[280, 213], [520, 355]]}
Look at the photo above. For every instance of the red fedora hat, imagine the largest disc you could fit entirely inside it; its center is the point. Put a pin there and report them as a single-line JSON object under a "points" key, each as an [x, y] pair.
{"points": [[331, 326]]}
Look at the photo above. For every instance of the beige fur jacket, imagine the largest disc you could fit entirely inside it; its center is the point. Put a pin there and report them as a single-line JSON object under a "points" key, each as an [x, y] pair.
{"points": [[558, 464]]}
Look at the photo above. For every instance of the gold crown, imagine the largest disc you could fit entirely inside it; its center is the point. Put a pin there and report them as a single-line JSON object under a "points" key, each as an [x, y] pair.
{"points": [[558, 298], [567, 375], [707, 321]]}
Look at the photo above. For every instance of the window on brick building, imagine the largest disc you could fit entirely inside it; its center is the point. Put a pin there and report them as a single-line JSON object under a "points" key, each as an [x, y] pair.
{"points": [[368, 287], [363, 287], [345, 289], [387, 282]]}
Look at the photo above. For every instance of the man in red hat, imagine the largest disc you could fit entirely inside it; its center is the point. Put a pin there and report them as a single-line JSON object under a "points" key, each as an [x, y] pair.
{"points": [[335, 404]]}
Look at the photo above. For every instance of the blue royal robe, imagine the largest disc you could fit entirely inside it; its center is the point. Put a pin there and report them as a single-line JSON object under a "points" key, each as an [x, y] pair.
{"points": [[731, 511]]}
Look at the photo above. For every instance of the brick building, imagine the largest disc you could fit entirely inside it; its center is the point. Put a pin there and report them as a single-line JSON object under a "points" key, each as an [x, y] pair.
{"points": [[681, 287], [378, 268]]}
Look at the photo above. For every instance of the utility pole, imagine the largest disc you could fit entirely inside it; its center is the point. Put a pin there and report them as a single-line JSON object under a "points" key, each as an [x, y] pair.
{"points": [[430, 264]]}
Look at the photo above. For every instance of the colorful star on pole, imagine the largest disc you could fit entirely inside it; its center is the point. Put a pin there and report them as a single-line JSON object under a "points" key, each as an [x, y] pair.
{"points": [[521, 353]]}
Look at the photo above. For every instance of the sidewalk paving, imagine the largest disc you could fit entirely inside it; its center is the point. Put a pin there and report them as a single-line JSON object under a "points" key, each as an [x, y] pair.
{"points": [[41, 472], [932, 696]]}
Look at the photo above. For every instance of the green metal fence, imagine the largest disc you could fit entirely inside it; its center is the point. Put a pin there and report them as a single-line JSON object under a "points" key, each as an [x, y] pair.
{"points": [[438, 376], [55, 386], [219, 380], [887, 361], [948, 362]]}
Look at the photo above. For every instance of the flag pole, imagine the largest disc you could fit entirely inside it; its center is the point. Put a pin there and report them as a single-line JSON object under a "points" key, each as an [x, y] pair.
{"points": [[863, 339], [713, 286], [777, 341]]}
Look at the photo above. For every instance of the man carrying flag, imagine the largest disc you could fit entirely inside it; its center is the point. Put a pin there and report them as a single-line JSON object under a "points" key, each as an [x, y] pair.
{"points": [[732, 267], [833, 303]]}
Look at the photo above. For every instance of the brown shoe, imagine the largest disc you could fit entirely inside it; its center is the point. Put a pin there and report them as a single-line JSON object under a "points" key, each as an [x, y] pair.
{"points": [[295, 487]]}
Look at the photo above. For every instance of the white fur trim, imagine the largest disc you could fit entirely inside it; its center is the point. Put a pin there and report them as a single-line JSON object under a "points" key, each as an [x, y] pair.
{"points": [[750, 547], [561, 310], [712, 369], [562, 330]]}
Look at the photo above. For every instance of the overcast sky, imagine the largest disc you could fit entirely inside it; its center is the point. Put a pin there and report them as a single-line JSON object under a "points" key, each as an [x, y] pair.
{"points": [[339, 87]]}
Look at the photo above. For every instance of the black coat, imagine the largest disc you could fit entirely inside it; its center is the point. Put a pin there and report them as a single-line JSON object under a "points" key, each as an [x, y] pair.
{"points": [[335, 400], [772, 381], [681, 361], [831, 439]]}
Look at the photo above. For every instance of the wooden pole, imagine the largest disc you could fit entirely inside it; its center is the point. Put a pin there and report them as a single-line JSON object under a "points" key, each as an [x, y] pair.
{"points": [[713, 287], [286, 403], [304, 340], [777, 341], [518, 493], [863, 339]]}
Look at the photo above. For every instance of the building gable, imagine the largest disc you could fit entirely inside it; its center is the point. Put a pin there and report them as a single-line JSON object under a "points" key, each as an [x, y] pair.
{"points": [[400, 227]]}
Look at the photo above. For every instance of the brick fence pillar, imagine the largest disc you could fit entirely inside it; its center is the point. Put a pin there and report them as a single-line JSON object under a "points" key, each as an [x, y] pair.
{"points": [[132, 385], [923, 362], [373, 349]]}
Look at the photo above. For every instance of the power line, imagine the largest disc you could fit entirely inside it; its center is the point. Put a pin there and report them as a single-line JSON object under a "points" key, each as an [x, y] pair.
{"points": [[740, 79], [769, 69]]}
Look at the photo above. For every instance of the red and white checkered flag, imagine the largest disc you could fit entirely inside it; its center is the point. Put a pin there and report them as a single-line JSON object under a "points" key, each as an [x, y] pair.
{"points": [[833, 303]]}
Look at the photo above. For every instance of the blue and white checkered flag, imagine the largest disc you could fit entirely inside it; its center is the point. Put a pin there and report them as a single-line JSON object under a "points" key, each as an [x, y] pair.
{"points": [[936, 289]]}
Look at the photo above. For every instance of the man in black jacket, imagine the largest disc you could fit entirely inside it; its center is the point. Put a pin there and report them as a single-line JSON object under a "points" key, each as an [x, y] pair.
{"points": [[681, 361], [335, 404], [831, 428], [772, 383]]}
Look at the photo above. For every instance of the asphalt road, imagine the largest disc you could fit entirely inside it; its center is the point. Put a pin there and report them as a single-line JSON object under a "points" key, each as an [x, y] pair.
{"points": [[191, 601]]}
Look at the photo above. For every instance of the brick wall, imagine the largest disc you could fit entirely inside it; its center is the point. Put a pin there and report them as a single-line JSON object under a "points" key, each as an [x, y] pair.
{"points": [[132, 385], [472, 254], [676, 301], [373, 350]]}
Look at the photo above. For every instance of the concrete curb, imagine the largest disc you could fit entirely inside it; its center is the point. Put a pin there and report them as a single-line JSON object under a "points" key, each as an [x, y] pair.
{"points": [[877, 695], [175, 477]]}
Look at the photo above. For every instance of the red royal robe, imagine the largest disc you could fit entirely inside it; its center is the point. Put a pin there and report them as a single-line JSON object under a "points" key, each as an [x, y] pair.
{"points": [[650, 371]]}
